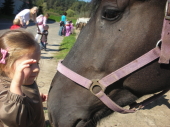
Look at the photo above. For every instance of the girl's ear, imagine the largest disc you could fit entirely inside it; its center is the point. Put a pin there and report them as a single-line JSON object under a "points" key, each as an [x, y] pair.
{"points": [[5, 70]]}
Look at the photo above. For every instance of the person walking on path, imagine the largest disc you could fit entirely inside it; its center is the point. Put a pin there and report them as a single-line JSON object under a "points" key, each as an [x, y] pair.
{"points": [[27, 14], [62, 29], [43, 40], [20, 100], [42, 21]]}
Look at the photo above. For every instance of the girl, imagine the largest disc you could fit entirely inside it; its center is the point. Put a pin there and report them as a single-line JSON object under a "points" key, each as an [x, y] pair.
{"points": [[20, 101], [68, 28], [16, 24], [42, 21], [43, 40], [25, 15]]}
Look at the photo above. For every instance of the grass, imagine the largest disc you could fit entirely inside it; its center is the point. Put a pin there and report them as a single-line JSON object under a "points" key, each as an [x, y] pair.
{"points": [[67, 42], [65, 46], [55, 18], [58, 18]]}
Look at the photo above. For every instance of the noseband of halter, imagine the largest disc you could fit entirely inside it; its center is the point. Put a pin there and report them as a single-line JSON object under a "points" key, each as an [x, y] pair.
{"points": [[125, 70]]}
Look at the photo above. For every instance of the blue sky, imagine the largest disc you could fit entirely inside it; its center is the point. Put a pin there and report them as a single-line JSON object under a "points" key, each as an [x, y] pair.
{"points": [[86, 0]]}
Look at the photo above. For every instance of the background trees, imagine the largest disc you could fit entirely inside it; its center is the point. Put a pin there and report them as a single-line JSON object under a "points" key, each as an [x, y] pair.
{"points": [[72, 7], [7, 7]]}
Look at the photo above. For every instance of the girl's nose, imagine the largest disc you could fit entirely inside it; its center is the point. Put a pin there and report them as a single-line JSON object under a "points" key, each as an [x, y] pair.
{"points": [[36, 68]]}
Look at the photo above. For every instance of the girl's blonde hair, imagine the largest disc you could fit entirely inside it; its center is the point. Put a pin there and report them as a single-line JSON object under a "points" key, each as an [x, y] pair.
{"points": [[33, 16], [16, 22], [17, 43], [47, 15]]}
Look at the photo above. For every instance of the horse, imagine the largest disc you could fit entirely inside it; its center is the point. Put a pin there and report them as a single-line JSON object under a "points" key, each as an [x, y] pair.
{"points": [[83, 20], [118, 32], [80, 25]]}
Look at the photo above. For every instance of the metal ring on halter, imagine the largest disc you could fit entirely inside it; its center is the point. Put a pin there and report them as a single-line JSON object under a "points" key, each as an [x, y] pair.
{"points": [[95, 83], [158, 43]]}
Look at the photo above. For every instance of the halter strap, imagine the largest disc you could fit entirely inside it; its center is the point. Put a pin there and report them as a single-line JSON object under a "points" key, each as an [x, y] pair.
{"points": [[111, 78], [74, 76], [131, 67], [165, 37]]}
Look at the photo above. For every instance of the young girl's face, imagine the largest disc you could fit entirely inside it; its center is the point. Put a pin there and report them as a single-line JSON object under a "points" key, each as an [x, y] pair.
{"points": [[29, 73]]}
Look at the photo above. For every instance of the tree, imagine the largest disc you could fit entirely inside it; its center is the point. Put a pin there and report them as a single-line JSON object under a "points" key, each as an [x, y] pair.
{"points": [[70, 13], [23, 6], [44, 7], [7, 7]]}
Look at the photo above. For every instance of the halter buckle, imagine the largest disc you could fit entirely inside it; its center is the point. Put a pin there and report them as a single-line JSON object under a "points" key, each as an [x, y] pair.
{"points": [[167, 11], [95, 83]]}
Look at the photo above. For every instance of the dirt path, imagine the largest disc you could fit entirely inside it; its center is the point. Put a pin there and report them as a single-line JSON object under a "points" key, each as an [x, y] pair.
{"points": [[156, 114]]}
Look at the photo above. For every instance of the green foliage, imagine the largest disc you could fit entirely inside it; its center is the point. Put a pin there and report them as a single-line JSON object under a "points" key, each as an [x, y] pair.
{"points": [[44, 7], [7, 7], [65, 46], [39, 2], [73, 19], [55, 18], [73, 7], [70, 13]]}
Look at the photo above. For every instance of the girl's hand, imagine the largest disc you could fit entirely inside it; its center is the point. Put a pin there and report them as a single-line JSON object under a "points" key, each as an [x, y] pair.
{"points": [[18, 76], [43, 97]]}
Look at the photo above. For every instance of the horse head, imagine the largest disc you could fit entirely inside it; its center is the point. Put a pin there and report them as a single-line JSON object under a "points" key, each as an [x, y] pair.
{"points": [[118, 32]]}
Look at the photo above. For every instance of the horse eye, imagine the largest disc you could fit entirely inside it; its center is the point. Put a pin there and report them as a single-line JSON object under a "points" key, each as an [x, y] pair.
{"points": [[110, 14]]}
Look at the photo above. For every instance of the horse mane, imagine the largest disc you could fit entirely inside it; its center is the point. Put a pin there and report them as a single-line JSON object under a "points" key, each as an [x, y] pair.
{"points": [[94, 5]]}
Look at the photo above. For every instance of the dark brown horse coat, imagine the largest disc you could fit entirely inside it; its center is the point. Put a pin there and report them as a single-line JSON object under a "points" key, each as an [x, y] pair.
{"points": [[119, 32]]}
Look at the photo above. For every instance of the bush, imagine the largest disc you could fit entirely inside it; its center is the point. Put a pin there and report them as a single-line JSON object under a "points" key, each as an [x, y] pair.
{"points": [[70, 13]]}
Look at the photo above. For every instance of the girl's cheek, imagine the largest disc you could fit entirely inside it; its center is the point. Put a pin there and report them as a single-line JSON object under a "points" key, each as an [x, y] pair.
{"points": [[27, 71]]}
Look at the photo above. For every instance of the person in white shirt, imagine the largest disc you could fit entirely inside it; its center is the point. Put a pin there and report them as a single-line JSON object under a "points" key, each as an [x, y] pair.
{"points": [[27, 14], [42, 21]]}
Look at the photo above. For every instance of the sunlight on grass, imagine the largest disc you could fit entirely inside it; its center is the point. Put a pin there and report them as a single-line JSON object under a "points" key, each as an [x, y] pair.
{"points": [[65, 46]]}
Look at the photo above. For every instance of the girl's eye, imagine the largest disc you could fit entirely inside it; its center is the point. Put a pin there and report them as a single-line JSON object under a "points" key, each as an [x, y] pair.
{"points": [[34, 64], [111, 14]]}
